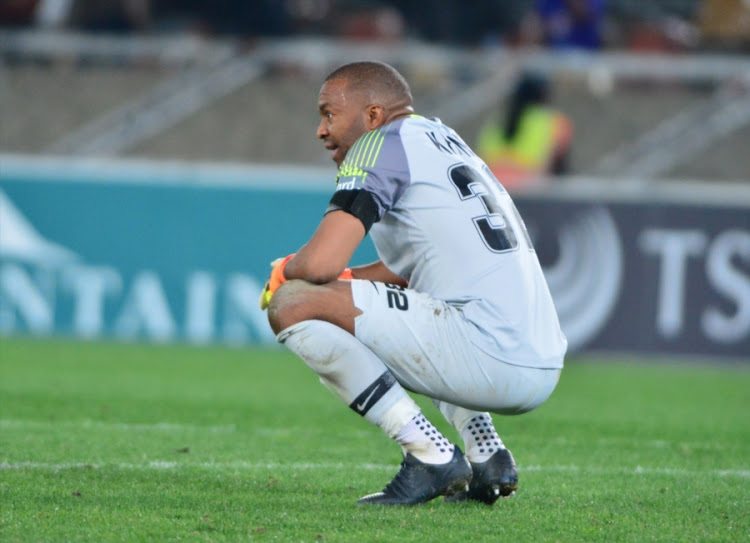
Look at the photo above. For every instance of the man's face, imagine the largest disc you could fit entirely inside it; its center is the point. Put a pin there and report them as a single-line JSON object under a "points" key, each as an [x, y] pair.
{"points": [[342, 118]]}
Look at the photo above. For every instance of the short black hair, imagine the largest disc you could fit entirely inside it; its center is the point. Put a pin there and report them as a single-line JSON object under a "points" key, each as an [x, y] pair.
{"points": [[379, 79], [531, 89]]}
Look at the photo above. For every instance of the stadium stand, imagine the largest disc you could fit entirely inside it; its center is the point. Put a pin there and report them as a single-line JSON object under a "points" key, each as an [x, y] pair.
{"points": [[186, 96]]}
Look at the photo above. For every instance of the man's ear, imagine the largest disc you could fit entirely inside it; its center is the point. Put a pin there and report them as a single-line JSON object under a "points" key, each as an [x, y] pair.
{"points": [[374, 116]]}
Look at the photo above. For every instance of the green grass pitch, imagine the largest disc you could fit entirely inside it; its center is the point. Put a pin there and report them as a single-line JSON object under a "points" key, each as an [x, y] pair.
{"points": [[117, 442]]}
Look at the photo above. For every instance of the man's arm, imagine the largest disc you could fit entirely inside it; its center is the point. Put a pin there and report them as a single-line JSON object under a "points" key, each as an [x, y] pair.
{"points": [[377, 271], [323, 258]]}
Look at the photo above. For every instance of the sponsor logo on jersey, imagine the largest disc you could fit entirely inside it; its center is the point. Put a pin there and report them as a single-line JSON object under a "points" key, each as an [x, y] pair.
{"points": [[351, 184]]}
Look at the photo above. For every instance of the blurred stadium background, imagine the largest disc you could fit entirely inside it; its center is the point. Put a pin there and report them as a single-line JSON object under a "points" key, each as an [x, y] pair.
{"points": [[218, 100]]}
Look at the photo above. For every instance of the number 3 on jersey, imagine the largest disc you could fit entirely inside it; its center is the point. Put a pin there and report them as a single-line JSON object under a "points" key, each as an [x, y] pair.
{"points": [[498, 239]]}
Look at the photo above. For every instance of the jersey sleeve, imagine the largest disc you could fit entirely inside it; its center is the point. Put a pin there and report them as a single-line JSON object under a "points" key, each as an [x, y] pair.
{"points": [[373, 176]]}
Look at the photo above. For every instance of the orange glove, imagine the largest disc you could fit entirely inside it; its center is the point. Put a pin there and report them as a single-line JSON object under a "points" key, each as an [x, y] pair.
{"points": [[277, 278], [275, 281]]}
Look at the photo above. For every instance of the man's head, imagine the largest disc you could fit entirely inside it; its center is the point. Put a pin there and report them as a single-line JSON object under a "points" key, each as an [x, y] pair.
{"points": [[357, 98]]}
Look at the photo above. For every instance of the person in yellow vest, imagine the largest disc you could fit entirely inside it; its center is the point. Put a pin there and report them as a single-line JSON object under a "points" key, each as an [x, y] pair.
{"points": [[534, 141]]}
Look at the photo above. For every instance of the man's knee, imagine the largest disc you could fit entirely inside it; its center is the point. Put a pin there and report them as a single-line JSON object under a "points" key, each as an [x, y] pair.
{"points": [[287, 306], [297, 300]]}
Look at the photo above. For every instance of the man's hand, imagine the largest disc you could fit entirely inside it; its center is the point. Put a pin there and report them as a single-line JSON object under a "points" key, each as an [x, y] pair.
{"points": [[377, 271], [277, 279]]}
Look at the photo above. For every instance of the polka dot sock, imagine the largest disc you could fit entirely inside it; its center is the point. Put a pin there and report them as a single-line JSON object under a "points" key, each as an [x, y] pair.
{"points": [[481, 439], [423, 441]]}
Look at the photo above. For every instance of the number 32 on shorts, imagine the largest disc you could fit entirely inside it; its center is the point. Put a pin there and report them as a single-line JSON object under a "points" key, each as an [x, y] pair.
{"points": [[397, 297]]}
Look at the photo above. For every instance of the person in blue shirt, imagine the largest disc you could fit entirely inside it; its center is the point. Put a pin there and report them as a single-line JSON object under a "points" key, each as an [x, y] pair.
{"points": [[566, 24]]}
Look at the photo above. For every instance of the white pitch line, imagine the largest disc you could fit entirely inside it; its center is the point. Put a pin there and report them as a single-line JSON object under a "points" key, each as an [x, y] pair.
{"points": [[124, 426], [652, 443], [166, 465], [641, 470], [312, 466]]}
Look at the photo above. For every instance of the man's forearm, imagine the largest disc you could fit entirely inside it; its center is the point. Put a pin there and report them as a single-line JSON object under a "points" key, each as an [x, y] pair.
{"points": [[377, 271]]}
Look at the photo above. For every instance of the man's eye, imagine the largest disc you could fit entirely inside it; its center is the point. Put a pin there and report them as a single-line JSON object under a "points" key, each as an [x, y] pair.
{"points": [[329, 116]]}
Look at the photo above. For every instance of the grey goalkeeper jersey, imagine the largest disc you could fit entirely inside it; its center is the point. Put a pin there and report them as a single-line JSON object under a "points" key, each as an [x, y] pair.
{"points": [[447, 226]]}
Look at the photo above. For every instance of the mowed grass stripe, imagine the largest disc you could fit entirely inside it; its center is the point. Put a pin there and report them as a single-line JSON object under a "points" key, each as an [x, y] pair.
{"points": [[641, 471], [170, 427], [9, 424]]}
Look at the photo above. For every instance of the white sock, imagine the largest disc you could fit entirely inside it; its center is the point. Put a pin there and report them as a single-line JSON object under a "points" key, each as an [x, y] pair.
{"points": [[481, 439], [423, 441], [349, 369], [477, 432]]}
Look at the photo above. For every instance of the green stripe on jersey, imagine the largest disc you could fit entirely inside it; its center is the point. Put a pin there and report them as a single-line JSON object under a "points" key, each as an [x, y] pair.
{"points": [[380, 141], [362, 145], [363, 154]]}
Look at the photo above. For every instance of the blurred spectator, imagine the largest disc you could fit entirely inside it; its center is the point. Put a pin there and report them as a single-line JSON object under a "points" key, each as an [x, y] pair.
{"points": [[468, 22], [111, 15], [561, 24], [97, 15], [257, 18], [725, 23], [17, 12], [53, 13], [534, 140], [383, 23], [218, 17]]}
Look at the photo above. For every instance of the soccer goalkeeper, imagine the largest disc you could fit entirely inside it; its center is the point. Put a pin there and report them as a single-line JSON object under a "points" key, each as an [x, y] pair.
{"points": [[457, 309]]}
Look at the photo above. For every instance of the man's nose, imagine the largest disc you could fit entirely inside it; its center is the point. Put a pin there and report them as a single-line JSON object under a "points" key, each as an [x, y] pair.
{"points": [[322, 130]]}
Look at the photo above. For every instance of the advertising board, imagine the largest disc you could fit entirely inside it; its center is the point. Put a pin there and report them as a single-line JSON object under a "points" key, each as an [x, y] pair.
{"points": [[179, 252]]}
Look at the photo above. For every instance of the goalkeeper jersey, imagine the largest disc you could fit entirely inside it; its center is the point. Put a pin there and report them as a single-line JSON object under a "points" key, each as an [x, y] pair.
{"points": [[448, 227]]}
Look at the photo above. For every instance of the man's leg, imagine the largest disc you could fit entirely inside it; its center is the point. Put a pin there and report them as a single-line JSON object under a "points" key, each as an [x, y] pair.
{"points": [[316, 322], [476, 429], [427, 345], [494, 469]]}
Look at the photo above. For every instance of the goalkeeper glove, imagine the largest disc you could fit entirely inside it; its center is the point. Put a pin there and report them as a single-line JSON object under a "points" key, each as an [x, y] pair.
{"points": [[277, 278]]}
